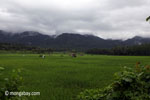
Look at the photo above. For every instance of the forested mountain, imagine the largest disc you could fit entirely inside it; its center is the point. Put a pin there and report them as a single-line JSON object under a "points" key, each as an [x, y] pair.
{"points": [[66, 40]]}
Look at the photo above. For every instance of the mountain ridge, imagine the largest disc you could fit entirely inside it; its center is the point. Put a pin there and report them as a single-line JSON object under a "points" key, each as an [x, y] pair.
{"points": [[67, 40]]}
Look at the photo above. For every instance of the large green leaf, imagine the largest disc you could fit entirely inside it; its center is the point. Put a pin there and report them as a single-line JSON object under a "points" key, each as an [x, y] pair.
{"points": [[148, 18]]}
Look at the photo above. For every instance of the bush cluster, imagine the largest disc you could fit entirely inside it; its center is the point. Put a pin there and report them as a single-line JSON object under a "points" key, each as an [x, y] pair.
{"points": [[129, 84], [10, 84]]}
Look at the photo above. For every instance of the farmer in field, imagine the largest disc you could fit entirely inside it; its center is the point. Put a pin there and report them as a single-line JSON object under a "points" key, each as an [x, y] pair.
{"points": [[73, 55], [43, 56]]}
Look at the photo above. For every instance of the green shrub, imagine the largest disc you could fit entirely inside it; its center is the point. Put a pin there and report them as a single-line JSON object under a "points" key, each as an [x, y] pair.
{"points": [[129, 84], [10, 84]]}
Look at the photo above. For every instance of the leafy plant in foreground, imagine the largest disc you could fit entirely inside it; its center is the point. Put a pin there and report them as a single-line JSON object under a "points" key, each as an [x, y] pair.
{"points": [[11, 84], [129, 84]]}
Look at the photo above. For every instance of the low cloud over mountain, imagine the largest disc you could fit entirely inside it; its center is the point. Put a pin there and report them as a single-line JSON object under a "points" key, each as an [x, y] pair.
{"points": [[117, 19], [67, 40]]}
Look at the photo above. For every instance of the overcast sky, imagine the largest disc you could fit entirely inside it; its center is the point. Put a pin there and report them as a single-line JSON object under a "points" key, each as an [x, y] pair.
{"points": [[117, 19]]}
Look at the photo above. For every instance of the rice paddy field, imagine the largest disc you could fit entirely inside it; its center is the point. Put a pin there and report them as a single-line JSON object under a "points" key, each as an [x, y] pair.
{"points": [[61, 77]]}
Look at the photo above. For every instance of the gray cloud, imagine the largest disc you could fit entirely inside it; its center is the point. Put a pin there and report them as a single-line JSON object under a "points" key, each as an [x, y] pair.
{"points": [[105, 18]]}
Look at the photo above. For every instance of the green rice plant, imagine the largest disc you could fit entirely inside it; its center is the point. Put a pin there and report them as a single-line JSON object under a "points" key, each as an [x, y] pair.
{"points": [[63, 78]]}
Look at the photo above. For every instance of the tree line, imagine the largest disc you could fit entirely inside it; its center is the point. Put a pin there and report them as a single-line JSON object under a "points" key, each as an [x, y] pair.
{"points": [[136, 50], [19, 47], [141, 50]]}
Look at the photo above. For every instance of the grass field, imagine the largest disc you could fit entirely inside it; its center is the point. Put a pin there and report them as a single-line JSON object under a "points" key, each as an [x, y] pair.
{"points": [[63, 78]]}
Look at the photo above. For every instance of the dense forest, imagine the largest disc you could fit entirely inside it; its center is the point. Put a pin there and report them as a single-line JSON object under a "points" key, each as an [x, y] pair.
{"points": [[142, 50], [19, 47]]}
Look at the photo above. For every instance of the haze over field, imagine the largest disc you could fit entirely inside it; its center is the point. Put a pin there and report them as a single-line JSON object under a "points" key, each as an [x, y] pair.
{"points": [[117, 19]]}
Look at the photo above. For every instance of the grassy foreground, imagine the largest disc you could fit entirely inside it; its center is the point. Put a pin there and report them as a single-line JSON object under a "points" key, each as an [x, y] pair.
{"points": [[63, 78]]}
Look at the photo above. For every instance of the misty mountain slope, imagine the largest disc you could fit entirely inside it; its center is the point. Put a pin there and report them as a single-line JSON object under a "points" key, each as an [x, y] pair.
{"points": [[27, 38], [66, 40], [79, 41], [137, 40]]}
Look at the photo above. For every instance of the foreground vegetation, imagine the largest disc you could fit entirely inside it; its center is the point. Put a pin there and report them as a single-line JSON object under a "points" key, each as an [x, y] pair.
{"points": [[11, 83], [61, 77], [129, 84]]}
